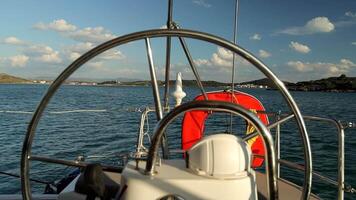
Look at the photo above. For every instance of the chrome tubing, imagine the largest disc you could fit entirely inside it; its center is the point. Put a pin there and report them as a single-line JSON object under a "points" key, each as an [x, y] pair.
{"points": [[233, 54], [221, 107], [270, 126], [167, 74], [233, 60], [341, 151], [157, 99], [154, 83], [27, 144], [168, 55], [301, 168], [278, 144], [193, 67], [191, 64]]}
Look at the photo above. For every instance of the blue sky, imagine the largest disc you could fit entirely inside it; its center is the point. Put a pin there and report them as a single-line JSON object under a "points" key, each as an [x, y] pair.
{"points": [[298, 40]]}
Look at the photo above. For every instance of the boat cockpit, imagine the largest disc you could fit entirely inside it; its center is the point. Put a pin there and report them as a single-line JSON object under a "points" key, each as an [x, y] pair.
{"points": [[210, 165]]}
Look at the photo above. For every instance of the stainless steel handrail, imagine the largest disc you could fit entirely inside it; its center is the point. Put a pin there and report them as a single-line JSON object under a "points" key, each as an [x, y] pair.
{"points": [[302, 168], [277, 142], [270, 126], [341, 151], [221, 107]]}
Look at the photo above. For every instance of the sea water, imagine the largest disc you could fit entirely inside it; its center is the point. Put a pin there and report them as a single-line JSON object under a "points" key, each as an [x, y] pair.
{"points": [[101, 121]]}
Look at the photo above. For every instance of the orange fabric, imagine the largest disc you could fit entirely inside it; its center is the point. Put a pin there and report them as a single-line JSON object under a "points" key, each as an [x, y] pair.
{"points": [[194, 121]]}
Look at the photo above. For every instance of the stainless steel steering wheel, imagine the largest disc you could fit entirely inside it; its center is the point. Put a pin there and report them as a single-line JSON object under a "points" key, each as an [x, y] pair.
{"points": [[181, 33]]}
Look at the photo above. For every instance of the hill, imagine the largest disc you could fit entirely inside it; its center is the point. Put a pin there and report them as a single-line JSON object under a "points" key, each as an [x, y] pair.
{"points": [[331, 84], [5, 78], [264, 82]]}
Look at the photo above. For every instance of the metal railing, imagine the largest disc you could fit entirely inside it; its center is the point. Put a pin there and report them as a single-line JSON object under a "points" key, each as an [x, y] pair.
{"points": [[280, 119], [340, 183]]}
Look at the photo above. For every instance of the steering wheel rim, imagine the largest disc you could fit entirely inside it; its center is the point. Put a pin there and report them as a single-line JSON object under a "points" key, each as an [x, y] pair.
{"points": [[27, 144]]}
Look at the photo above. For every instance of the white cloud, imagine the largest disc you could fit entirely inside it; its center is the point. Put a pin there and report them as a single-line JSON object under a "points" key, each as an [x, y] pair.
{"points": [[81, 47], [49, 58], [96, 64], [264, 54], [202, 3], [300, 66], [88, 34], [224, 53], [112, 55], [74, 55], [350, 20], [38, 49], [353, 43], [350, 14], [329, 69], [218, 60], [59, 25], [43, 53], [200, 62], [93, 35], [18, 60], [75, 51], [13, 41], [315, 25], [301, 48], [221, 58], [256, 36]]}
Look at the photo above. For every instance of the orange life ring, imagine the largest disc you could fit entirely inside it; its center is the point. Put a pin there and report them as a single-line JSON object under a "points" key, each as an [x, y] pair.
{"points": [[194, 121]]}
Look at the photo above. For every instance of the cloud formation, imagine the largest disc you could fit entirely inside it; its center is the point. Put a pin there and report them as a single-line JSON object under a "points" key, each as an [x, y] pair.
{"points": [[256, 36], [264, 54], [43, 53], [18, 60], [315, 25], [301, 48], [353, 43], [59, 25], [221, 58], [89, 34], [94, 35], [202, 3], [13, 41], [329, 69], [87, 37], [75, 51], [351, 14], [348, 20]]}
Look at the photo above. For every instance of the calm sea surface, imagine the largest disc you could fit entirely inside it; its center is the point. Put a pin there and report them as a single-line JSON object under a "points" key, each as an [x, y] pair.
{"points": [[107, 126]]}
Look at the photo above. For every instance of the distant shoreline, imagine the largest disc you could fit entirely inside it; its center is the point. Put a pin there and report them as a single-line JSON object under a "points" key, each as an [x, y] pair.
{"points": [[341, 84], [189, 86]]}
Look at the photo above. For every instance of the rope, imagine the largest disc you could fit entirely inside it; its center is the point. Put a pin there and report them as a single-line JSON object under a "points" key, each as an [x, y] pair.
{"points": [[31, 179]]}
